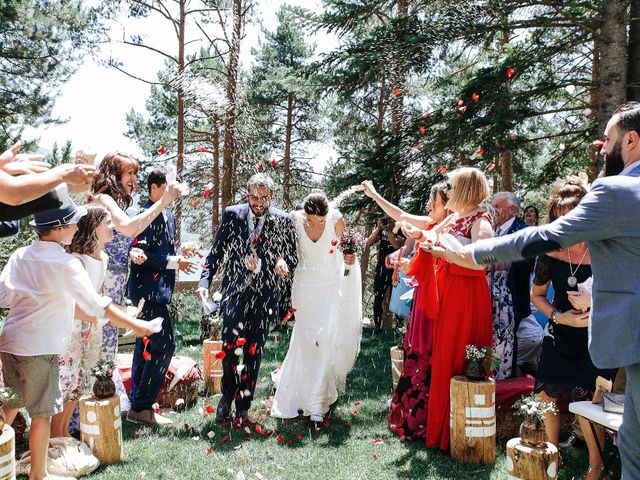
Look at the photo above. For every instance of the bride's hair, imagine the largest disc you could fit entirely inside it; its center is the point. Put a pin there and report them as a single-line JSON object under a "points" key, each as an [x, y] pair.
{"points": [[316, 203]]}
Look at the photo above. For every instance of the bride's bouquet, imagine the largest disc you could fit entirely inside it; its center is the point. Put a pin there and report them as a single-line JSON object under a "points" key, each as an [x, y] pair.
{"points": [[350, 242]]}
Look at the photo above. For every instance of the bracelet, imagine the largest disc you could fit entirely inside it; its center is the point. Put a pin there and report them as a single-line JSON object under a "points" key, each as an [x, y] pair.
{"points": [[553, 318]]}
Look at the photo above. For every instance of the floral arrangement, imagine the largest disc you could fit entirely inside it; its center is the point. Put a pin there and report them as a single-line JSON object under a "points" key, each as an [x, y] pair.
{"points": [[350, 241], [533, 409], [7, 395], [215, 319], [103, 369], [480, 355]]}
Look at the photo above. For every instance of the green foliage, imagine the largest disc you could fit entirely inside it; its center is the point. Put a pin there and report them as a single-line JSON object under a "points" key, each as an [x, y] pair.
{"points": [[42, 43]]}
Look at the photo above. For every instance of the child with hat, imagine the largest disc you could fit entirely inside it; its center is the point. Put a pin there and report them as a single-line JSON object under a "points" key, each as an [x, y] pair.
{"points": [[41, 285]]}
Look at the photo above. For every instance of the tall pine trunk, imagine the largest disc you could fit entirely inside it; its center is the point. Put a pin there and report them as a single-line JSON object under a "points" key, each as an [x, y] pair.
{"points": [[286, 181], [180, 139], [215, 208], [613, 62], [228, 152]]}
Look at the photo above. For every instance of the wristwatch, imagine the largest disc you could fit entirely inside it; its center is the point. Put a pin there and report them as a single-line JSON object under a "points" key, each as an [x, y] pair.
{"points": [[553, 317]]}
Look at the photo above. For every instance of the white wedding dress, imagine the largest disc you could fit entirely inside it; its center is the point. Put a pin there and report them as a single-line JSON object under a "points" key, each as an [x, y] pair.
{"points": [[326, 336]]}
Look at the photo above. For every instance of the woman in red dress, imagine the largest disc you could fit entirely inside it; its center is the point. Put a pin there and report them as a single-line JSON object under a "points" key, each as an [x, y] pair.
{"points": [[465, 305]]}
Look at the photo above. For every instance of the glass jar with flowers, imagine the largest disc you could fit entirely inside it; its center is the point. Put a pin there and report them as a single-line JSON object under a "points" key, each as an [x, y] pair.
{"points": [[103, 373], [534, 410], [480, 360]]}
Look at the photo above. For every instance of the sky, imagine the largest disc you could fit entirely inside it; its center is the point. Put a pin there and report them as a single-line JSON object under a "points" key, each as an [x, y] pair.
{"points": [[97, 98]]}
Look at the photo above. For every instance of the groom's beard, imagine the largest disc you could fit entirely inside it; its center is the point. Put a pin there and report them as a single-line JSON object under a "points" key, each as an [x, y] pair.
{"points": [[613, 163], [258, 211]]}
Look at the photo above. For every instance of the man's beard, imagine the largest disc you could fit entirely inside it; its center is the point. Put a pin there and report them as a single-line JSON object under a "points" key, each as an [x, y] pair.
{"points": [[258, 212], [613, 163]]}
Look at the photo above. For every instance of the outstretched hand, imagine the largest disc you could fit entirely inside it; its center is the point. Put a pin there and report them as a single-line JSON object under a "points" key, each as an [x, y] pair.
{"points": [[369, 189], [282, 268]]}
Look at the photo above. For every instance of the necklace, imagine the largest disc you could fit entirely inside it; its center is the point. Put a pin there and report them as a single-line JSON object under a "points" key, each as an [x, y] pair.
{"points": [[572, 281]]}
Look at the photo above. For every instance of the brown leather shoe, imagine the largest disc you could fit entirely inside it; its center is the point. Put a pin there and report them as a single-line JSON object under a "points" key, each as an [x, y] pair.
{"points": [[148, 417]]}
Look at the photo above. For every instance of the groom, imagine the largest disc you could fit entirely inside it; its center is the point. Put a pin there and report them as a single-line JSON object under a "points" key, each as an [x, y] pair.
{"points": [[259, 244]]}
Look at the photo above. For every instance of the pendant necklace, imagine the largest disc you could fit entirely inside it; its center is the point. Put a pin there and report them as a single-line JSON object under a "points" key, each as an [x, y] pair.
{"points": [[572, 281]]}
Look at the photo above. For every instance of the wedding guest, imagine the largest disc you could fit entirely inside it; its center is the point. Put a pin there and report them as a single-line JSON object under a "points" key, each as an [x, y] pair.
{"points": [[530, 216], [153, 281], [41, 285], [565, 368], [509, 285], [408, 408], [389, 242], [112, 188]]}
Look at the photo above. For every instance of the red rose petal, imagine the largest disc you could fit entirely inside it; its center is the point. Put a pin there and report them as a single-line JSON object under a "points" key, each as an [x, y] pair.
{"points": [[280, 438], [201, 149], [331, 251], [206, 193], [195, 204], [422, 130], [209, 409], [209, 450], [299, 435], [357, 404], [354, 413], [510, 72], [220, 354], [161, 150], [462, 109], [146, 355], [135, 240], [442, 170], [491, 166], [155, 277], [241, 341], [598, 143], [334, 242], [479, 152], [273, 162], [460, 102], [475, 97], [252, 349], [396, 91]]}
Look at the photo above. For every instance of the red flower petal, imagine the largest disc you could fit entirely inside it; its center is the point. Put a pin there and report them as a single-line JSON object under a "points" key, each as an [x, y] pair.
{"points": [[280, 438], [299, 435], [396, 91], [475, 97], [425, 114], [145, 341], [357, 404], [598, 143], [287, 316], [442, 170], [462, 109], [334, 242], [209, 409], [201, 149], [277, 338], [479, 152], [422, 130], [491, 166], [161, 150], [259, 429], [293, 310], [220, 354], [252, 349], [225, 439], [377, 441], [135, 240], [146, 355], [241, 341], [460, 102], [209, 450], [206, 193], [353, 413], [331, 250], [510, 72], [195, 204], [273, 162]]}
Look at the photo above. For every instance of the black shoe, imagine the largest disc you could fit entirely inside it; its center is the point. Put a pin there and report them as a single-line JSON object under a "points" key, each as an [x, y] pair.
{"points": [[572, 441], [224, 409]]}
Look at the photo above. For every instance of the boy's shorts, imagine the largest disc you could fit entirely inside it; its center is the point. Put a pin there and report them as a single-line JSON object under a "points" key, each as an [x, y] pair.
{"points": [[36, 382]]}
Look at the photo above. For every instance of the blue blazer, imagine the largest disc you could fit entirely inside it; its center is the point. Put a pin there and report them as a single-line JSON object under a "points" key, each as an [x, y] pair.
{"points": [[607, 218], [277, 239], [519, 279], [152, 280]]}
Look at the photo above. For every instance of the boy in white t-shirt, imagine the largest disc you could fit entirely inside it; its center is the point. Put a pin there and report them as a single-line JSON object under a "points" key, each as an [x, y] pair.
{"points": [[42, 285]]}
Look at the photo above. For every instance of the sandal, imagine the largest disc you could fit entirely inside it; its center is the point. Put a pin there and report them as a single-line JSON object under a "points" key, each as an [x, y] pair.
{"points": [[594, 472]]}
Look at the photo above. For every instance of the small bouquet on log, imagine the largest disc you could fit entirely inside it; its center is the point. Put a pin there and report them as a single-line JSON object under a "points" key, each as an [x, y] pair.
{"points": [[350, 243], [533, 409], [480, 360], [103, 373]]}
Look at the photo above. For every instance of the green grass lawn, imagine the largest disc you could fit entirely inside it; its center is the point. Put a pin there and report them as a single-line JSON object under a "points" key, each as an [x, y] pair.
{"points": [[344, 450]]}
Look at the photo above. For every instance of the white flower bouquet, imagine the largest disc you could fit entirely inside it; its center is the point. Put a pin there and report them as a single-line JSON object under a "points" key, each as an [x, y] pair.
{"points": [[533, 409], [103, 369]]}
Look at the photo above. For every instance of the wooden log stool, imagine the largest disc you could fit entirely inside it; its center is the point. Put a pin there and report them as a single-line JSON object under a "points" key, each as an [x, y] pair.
{"points": [[527, 462], [7, 454], [473, 420], [212, 366], [397, 362], [101, 427]]}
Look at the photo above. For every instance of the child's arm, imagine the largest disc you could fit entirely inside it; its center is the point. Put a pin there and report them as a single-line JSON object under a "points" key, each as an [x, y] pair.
{"points": [[118, 318], [80, 315]]}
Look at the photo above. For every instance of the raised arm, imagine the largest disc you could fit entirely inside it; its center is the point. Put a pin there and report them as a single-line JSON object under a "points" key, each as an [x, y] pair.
{"points": [[133, 226], [395, 212], [215, 256]]}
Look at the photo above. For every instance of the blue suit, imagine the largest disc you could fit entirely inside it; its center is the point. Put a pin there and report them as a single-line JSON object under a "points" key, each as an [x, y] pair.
{"points": [[153, 282], [250, 301], [608, 219]]}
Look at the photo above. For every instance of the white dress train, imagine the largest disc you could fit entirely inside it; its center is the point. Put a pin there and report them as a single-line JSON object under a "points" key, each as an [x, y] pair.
{"points": [[326, 336]]}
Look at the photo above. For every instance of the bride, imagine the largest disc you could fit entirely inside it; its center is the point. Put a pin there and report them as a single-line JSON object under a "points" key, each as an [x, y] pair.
{"points": [[326, 336]]}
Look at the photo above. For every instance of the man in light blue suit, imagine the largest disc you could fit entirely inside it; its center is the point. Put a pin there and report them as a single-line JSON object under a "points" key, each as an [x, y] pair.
{"points": [[608, 218]]}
